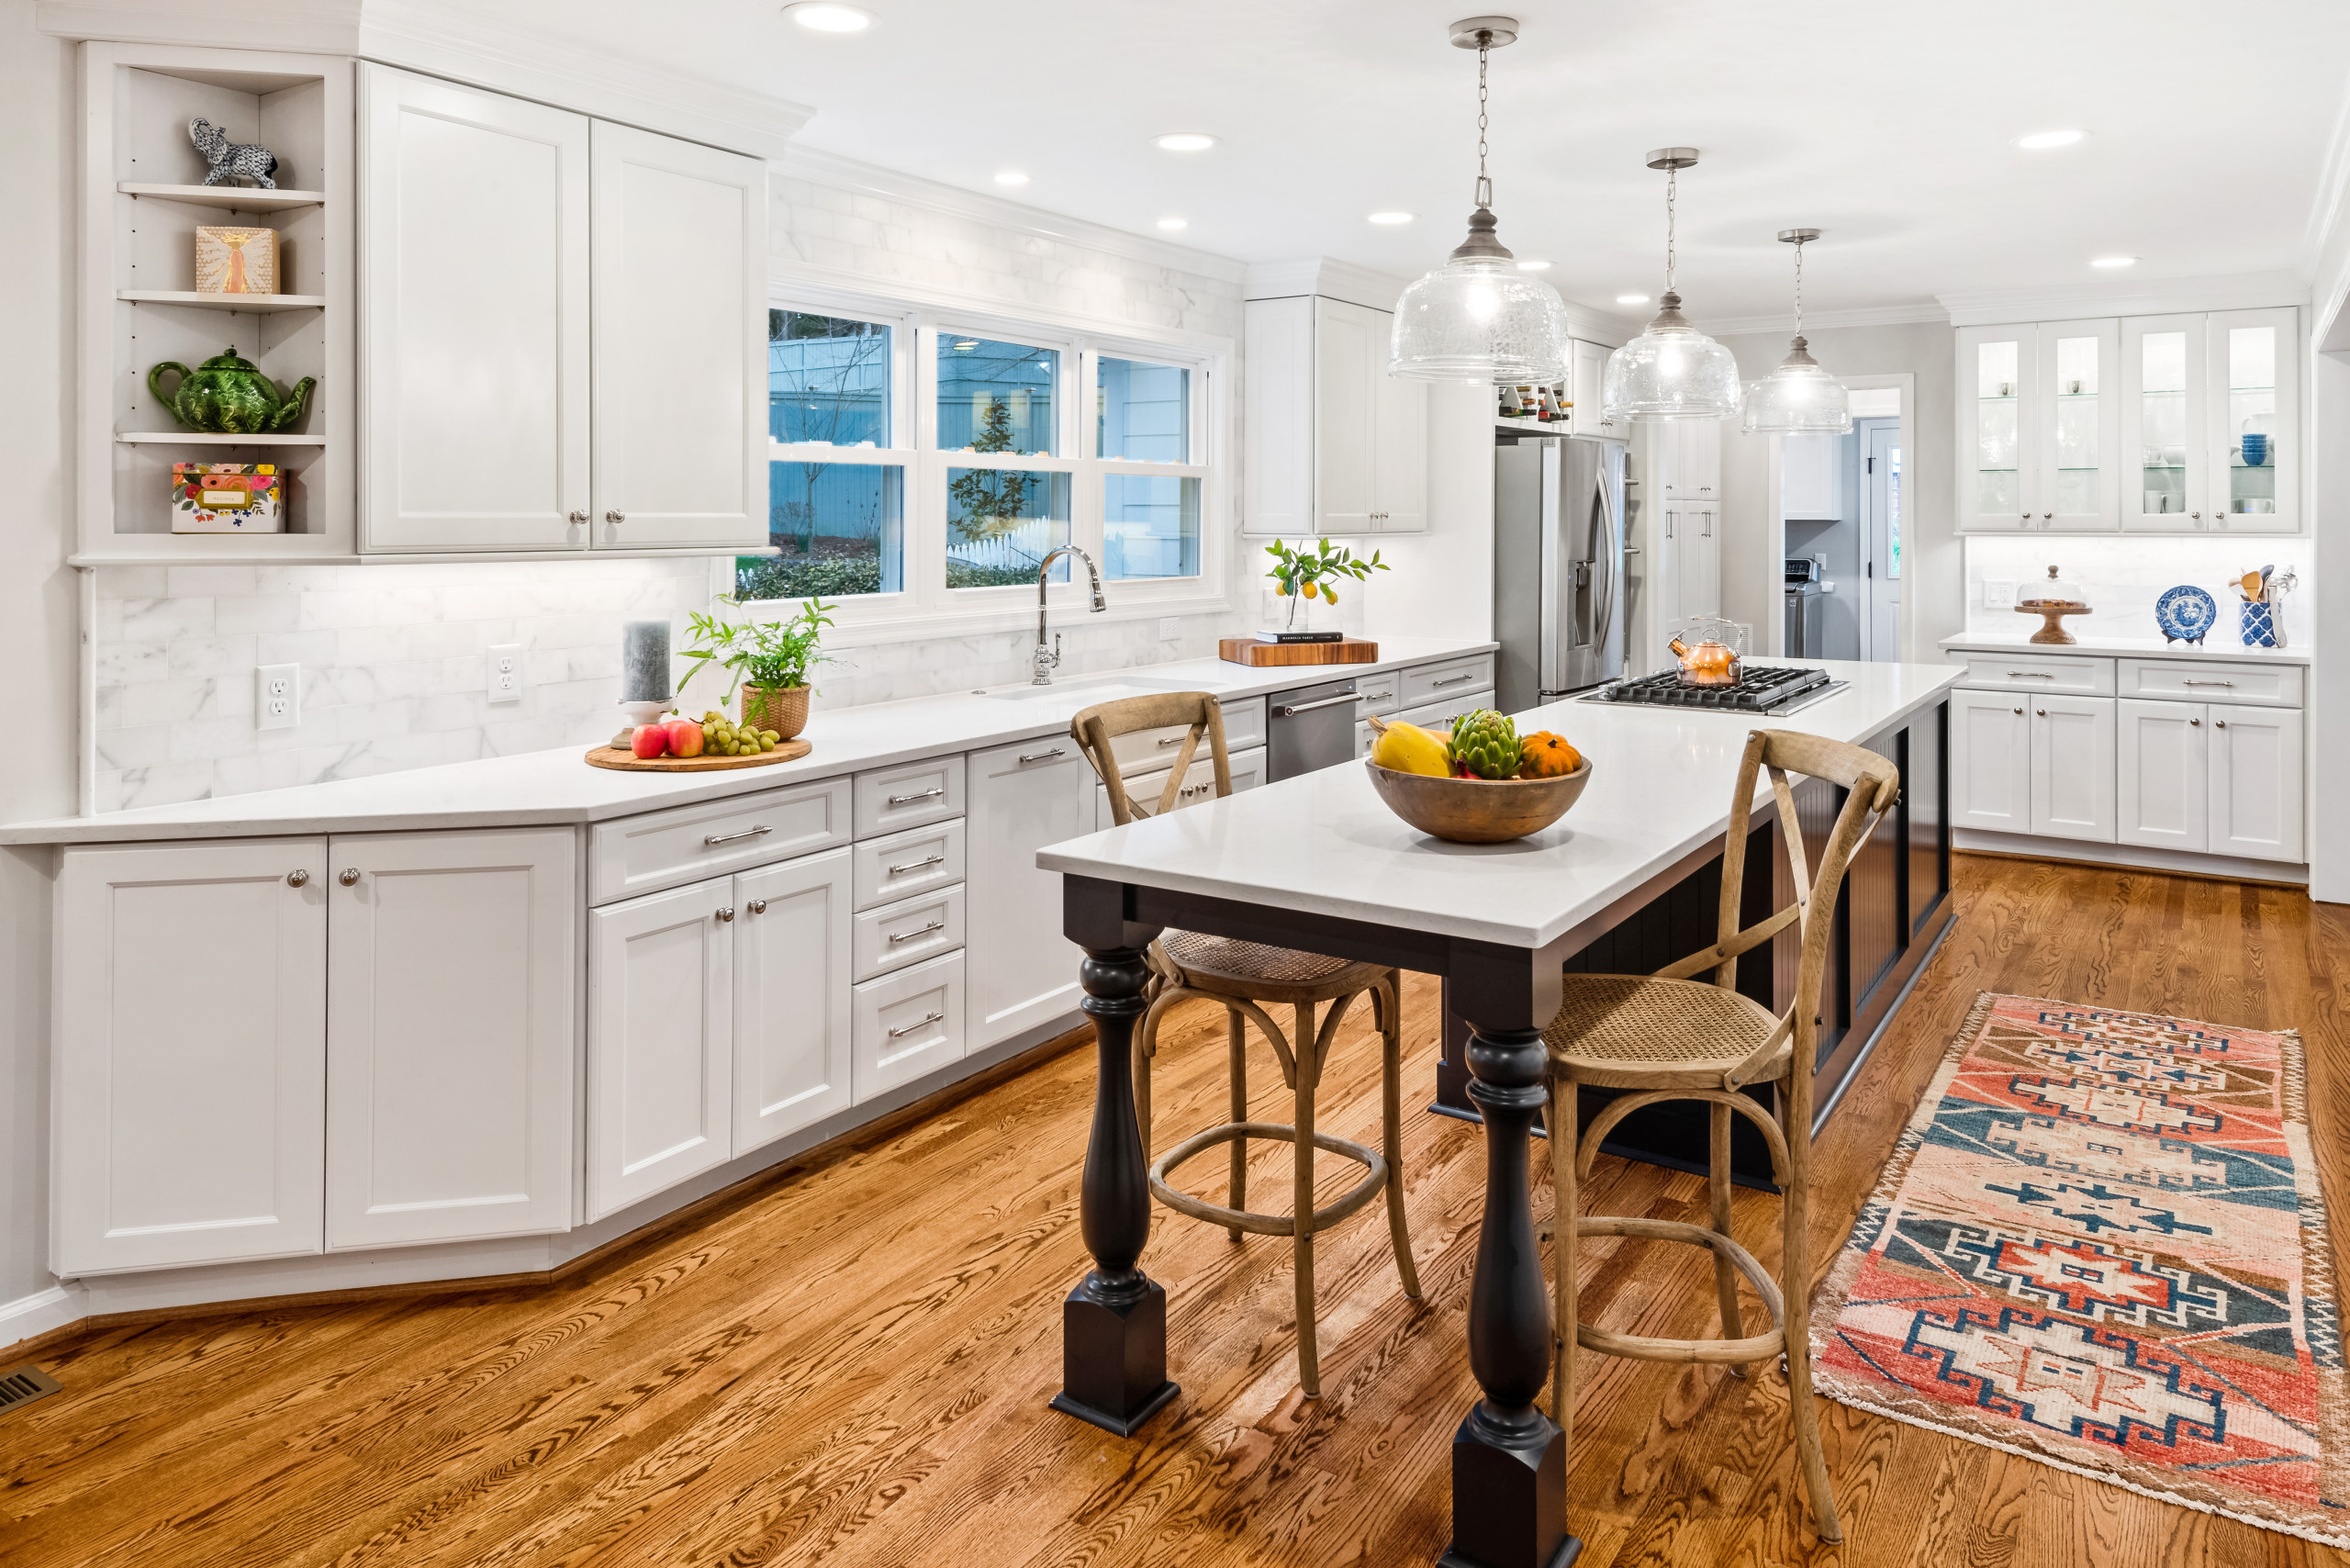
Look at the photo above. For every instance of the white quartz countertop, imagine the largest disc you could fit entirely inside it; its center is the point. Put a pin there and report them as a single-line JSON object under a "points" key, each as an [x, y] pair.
{"points": [[2094, 646], [1325, 844], [559, 787]]}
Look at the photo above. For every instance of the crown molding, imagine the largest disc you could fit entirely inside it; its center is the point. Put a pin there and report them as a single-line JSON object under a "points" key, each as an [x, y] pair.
{"points": [[2240, 291], [1335, 279], [1819, 321], [462, 47], [866, 179]]}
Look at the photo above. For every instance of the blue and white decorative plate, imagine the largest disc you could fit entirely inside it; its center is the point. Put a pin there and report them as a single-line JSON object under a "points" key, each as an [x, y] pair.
{"points": [[2184, 613]]}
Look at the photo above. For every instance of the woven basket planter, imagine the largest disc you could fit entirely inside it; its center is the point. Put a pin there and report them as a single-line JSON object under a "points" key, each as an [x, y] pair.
{"points": [[783, 709]]}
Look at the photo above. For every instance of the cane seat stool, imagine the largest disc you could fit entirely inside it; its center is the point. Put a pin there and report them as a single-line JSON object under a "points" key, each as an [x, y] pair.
{"points": [[1672, 1036], [1246, 978]]}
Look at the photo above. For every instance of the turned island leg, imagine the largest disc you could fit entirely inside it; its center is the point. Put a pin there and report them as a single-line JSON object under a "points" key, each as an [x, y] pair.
{"points": [[1113, 1325]]}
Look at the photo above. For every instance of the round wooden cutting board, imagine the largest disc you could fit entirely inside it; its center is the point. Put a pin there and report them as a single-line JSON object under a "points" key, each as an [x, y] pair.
{"points": [[623, 760]]}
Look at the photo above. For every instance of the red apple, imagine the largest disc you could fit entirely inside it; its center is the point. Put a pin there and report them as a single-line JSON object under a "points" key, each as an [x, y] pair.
{"points": [[652, 740], [685, 738]]}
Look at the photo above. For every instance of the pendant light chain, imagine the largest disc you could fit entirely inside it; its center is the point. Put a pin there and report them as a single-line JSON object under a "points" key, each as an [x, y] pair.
{"points": [[1672, 190], [1484, 185]]}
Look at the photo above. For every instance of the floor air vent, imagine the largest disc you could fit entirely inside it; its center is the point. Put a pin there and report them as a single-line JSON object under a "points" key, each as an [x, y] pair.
{"points": [[22, 1385]]}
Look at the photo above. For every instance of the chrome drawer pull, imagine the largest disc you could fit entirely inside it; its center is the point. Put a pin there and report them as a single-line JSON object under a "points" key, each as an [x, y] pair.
{"points": [[925, 795], [2208, 683], [714, 840], [2029, 675], [917, 865], [923, 1023], [925, 930], [1170, 740], [1453, 681], [1027, 756]]}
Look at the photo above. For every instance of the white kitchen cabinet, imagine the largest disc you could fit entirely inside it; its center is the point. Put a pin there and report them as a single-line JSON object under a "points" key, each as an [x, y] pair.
{"points": [[1023, 797], [2164, 418], [2252, 361], [906, 932], [1588, 388], [1998, 428], [907, 1025], [661, 1040], [791, 995], [2256, 781], [2073, 767], [190, 1066], [451, 1031], [679, 269], [2162, 774], [2075, 480], [1336, 444], [1811, 476], [1700, 578], [473, 331], [1991, 761], [1246, 769]]}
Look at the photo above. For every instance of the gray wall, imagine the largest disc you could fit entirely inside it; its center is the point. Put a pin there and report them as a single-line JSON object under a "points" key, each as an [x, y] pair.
{"points": [[36, 612], [1933, 590]]}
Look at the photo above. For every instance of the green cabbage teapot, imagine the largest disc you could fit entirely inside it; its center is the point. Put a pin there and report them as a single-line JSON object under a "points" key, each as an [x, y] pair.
{"points": [[227, 395]]}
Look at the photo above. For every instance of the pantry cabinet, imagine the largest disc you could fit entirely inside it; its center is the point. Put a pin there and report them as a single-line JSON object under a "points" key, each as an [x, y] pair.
{"points": [[1023, 797], [1336, 445], [563, 329], [2137, 423], [189, 1074], [452, 1032]]}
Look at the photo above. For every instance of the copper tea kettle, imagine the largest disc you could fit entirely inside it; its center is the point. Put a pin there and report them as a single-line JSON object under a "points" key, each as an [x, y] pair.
{"points": [[1710, 650]]}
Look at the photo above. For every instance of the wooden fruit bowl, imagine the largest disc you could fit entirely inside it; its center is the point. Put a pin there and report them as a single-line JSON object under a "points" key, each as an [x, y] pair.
{"points": [[1478, 810]]}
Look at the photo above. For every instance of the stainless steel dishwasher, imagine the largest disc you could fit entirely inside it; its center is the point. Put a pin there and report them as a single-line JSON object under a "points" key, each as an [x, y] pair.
{"points": [[1309, 727]]}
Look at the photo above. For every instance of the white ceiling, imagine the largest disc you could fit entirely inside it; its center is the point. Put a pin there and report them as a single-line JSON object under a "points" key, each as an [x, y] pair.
{"points": [[1888, 124]]}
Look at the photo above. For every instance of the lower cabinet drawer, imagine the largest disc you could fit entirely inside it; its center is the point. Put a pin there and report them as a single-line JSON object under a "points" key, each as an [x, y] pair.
{"points": [[1244, 727], [919, 861], [906, 932], [2071, 676], [909, 795], [1381, 693], [668, 848], [1248, 769], [1438, 716], [1438, 682], [905, 1025], [2277, 685]]}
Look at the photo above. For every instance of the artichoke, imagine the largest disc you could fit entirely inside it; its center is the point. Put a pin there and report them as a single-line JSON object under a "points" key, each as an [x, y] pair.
{"points": [[1485, 744]]}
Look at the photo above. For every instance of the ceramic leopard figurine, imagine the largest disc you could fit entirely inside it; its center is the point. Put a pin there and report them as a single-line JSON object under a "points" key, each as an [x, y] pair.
{"points": [[230, 159]]}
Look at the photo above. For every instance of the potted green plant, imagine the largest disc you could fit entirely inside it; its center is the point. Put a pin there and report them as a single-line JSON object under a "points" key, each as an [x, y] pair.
{"points": [[769, 660], [1303, 579]]}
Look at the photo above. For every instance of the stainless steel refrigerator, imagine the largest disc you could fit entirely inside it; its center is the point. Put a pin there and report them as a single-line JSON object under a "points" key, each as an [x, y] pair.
{"points": [[1558, 589]]}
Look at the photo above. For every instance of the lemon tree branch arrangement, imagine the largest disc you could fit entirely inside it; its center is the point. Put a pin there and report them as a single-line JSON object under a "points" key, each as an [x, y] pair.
{"points": [[1303, 574]]}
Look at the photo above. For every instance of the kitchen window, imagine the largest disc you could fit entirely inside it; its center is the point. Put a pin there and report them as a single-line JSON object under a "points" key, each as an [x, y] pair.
{"points": [[923, 464]]}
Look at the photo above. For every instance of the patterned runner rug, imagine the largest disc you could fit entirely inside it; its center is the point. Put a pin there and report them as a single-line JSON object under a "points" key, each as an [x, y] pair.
{"points": [[2099, 1243]]}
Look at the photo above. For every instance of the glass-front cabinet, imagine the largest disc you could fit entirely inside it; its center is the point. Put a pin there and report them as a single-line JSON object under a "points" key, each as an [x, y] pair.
{"points": [[2158, 424]]}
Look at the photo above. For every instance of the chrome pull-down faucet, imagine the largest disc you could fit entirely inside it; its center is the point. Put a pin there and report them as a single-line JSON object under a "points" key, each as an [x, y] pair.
{"points": [[1046, 657]]}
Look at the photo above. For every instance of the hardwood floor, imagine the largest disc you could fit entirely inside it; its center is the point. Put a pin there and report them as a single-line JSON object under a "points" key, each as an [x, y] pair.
{"points": [[849, 1366]]}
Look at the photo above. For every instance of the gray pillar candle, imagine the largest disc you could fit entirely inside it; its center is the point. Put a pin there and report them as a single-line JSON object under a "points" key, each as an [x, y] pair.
{"points": [[644, 661]]}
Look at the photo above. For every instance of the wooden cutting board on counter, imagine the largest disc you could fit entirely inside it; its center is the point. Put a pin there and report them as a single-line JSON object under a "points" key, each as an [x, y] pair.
{"points": [[1250, 651], [622, 759]]}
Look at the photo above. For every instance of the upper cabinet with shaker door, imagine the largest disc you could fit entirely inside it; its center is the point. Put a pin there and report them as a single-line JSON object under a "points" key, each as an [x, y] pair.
{"points": [[474, 335], [1588, 388], [538, 380], [2155, 424], [1335, 445], [680, 284]]}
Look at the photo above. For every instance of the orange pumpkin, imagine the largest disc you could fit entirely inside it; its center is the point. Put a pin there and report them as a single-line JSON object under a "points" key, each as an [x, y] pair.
{"points": [[1546, 755]]}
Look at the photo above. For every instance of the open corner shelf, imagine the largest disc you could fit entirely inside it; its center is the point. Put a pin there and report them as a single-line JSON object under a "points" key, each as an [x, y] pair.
{"points": [[226, 198], [207, 438], [255, 302]]}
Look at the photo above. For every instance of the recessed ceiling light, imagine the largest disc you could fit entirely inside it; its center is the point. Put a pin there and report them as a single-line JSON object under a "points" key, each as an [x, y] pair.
{"points": [[1390, 218], [1011, 177], [1632, 299], [2115, 262], [829, 16], [2040, 140], [1185, 141], [1174, 223], [1534, 266]]}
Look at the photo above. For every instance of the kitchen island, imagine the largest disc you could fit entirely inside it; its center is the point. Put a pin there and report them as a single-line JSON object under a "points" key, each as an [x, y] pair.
{"points": [[1319, 863]]}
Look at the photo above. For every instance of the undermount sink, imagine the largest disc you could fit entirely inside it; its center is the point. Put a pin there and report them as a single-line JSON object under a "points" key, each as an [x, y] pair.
{"points": [[1085, 691]]}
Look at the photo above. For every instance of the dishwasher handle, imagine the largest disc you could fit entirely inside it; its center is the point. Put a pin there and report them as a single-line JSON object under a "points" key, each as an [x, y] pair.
{"points": [[1324, 702]]}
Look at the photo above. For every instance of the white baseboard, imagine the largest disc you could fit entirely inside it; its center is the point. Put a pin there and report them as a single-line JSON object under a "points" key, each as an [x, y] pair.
{"points": [[2222, 868], [150, 1290]]}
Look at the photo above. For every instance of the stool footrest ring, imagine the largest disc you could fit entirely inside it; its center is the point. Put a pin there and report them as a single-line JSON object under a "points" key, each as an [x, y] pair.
{"points": [[1374, 1179], [1641, 1347]]}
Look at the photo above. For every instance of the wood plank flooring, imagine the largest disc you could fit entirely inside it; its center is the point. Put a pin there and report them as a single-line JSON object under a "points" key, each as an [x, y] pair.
{"points": [[848, 1366]]}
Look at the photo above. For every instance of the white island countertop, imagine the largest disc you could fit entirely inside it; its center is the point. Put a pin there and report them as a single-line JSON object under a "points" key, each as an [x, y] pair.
{"points": [[558, 787], [1325, 844], [2099, 646]]}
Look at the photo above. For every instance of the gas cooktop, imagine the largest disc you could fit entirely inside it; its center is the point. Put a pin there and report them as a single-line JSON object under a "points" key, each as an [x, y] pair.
{"points": [[1765, 690]]}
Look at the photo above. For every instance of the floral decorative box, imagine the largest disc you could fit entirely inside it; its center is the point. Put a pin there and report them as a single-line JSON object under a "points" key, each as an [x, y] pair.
{"points": [[226, 498], [236, 261]]}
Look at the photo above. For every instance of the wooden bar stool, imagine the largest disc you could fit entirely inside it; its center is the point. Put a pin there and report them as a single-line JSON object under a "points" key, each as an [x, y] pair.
{"points": [[1245, 978], [1668, 1037]]}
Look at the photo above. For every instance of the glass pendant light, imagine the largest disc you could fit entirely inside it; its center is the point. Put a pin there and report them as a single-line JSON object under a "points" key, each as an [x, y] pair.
{"points": [[1671, 371], [1798, 397], [1477, 318]]}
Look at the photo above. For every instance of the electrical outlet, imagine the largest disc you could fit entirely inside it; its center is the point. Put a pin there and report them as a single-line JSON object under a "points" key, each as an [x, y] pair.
{"points": [[1169, 629], [506, 672], [1998, 593], [278, 697]]}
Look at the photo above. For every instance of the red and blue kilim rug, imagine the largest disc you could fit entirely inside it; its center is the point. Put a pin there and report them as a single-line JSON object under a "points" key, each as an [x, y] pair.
{"points": [[2099, 1243]]}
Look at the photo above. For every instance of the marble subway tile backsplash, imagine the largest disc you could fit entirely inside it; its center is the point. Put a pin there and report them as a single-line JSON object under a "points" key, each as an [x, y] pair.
{"points": [[2122, 577]]}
